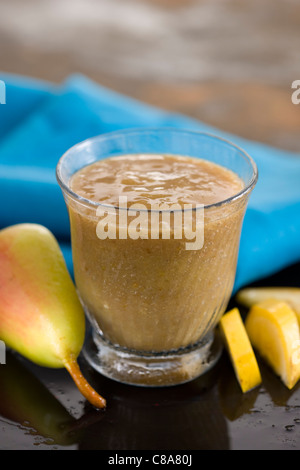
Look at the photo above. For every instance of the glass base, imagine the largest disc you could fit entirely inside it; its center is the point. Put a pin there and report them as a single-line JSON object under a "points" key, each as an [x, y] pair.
{"points": [[152, 369]]}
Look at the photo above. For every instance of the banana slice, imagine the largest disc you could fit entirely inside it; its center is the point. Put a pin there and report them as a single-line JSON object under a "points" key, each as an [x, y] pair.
{"points": [[253, 295], [240, 350], [273, 330]]}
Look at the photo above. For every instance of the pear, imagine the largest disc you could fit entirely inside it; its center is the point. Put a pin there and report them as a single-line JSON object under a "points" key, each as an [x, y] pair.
{"points": [[41, 316]]}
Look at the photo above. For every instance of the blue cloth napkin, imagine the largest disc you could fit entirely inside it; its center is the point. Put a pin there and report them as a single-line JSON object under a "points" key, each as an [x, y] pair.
{"points": [[40, 121]]}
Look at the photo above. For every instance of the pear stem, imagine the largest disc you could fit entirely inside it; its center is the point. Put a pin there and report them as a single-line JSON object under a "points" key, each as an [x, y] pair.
{"points": [[84, 387]]}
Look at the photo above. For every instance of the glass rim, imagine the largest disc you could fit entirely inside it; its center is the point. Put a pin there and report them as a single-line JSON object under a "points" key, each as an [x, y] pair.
{"points": [[64, 186]]}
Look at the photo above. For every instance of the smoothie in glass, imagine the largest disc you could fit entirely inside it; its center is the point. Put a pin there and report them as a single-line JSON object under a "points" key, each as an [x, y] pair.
{"points": [[153, 295]]}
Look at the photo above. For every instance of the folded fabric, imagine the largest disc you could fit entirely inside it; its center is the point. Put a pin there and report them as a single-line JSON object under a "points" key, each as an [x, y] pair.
{"points": [[40, 121]]}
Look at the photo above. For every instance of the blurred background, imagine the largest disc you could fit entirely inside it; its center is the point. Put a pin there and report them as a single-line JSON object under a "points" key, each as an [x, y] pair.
{"points": [[229, 63]]}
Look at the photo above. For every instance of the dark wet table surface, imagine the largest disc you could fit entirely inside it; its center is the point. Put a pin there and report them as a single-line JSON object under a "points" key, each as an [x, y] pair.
{"points": [[230, 64], [42, 409]]}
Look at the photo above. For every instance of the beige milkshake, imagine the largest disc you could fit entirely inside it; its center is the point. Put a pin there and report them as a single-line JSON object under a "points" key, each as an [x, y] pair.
{"points": [[147, 294]]}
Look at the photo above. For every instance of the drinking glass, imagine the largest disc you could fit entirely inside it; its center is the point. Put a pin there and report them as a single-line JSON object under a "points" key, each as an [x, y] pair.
{"points": [[153, 305]]}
